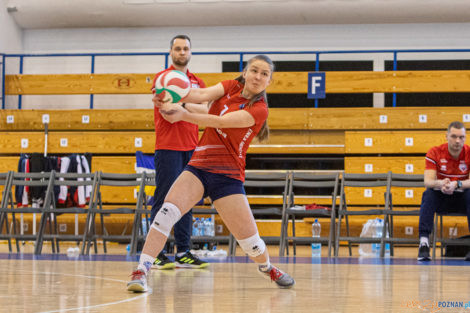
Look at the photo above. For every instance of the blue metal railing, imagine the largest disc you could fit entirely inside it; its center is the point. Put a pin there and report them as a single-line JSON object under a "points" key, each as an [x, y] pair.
{"points": [[241, 55], [3, 80]]}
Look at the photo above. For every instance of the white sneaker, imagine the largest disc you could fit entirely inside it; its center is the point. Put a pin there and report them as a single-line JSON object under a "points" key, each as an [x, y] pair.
{"points": [[138, 282]]}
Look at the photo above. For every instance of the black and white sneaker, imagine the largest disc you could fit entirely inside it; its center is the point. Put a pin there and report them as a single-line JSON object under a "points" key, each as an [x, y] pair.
{"points": [[423, 252], [163, 263], [188, 260]]}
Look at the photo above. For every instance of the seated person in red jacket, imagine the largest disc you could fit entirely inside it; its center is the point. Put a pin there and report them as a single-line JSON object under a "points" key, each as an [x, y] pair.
{"points": [[447, 183]]}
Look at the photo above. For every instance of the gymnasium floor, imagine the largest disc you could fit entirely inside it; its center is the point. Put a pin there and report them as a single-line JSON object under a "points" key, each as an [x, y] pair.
{"points": [[56, 283]]}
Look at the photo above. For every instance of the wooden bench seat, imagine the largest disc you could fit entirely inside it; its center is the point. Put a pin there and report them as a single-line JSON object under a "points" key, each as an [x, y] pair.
{"points": [[398, 118], [400, 165], [392, 142], [125, 142]]}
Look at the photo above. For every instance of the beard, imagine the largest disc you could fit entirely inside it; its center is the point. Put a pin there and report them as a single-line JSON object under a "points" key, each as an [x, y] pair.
{"points": [[456, 149], [180, 63]]}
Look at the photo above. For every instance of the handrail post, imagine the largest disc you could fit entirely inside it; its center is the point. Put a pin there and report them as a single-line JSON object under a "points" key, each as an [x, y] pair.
{"points": [[92, 72], [20, 98], [240, 65], [317, 68], [3, 81], [395, 65]]}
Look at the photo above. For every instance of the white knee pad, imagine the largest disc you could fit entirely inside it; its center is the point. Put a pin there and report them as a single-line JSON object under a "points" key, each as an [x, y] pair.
{"points": [[166, 217], [253, 246]]}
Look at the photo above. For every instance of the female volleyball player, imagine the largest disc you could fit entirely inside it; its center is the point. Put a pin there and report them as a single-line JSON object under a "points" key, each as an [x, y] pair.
{"points": [[217, 168]]}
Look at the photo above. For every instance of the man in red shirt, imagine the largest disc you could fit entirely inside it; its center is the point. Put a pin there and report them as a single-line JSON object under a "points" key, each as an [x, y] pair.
{"points": [[447, 182], [174, 147]]}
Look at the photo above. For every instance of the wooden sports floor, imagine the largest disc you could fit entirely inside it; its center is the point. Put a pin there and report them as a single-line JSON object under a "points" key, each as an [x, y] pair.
{"points": [[56, 283]]}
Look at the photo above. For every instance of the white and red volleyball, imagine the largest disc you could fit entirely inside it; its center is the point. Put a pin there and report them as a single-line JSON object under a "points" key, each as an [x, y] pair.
{"points": [[172, 85]]}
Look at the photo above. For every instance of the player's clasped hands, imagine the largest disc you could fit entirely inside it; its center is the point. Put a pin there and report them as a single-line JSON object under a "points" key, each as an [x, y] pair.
{"points": [[448, 186], [158, 99], [167, 108], [172, 112]]}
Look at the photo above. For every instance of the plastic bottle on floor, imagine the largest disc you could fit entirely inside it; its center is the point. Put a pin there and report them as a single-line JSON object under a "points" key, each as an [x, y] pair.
{"points": [[196, 227], [201, 227], [210, 226], [316, 246]]}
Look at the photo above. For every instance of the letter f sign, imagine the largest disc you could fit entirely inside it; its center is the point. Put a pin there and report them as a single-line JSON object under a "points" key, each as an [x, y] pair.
{"points": [[316, 85]]}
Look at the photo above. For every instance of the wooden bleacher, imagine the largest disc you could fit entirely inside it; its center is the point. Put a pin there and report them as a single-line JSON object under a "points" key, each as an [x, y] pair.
{"points": [[370, 139], [283, 82]]}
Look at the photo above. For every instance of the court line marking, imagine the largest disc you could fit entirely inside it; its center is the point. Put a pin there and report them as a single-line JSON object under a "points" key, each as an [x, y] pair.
{"points": [[96, 305]]}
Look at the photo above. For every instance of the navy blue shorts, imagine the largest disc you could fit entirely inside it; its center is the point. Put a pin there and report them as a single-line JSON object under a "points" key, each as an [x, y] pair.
{"points": [[216, 186]]}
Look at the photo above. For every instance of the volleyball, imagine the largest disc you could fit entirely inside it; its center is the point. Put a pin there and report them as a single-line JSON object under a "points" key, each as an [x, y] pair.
{"points": [[172, 86]]}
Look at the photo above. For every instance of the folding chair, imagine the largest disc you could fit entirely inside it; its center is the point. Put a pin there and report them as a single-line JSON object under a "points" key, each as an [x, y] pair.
{"points": [[122, 182], [304, 188], [405, 191], [439, 229], [267, 194], [85, 181], [365, 191], [4, 183], [143, 215], [21, 180]]}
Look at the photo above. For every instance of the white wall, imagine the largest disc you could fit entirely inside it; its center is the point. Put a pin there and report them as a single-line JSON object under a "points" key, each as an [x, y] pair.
{"points": [[310, 37], [10, 33], [205, 39]]}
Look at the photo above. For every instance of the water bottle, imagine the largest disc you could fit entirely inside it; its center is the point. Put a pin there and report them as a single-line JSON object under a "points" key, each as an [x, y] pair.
{"points": [[387, 245], [207, 227], [210, 227], [144, 226], [196, 227], [73, 252], [202, 226], [387, 249], [316, 247]]}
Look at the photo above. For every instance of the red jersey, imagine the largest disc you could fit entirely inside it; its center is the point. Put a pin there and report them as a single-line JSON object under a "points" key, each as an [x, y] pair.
{"points": [[223, 150], [179, 136], [439, 159]]}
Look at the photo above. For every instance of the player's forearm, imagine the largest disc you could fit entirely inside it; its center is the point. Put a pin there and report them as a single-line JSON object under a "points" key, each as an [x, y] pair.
{"points": [[203, 119], [238, 119], [196, 108], [433, 183]]}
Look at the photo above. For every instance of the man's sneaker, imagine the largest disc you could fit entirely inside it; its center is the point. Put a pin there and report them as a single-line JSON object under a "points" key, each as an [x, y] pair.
{"points": [[138, 282], [283, 280], [190, 261], [163, 263], [423, 253]]}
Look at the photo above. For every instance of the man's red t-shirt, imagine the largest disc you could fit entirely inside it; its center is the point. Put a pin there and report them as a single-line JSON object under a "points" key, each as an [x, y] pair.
{"points": [[179, 136], [439, 159], [223, 150]]}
